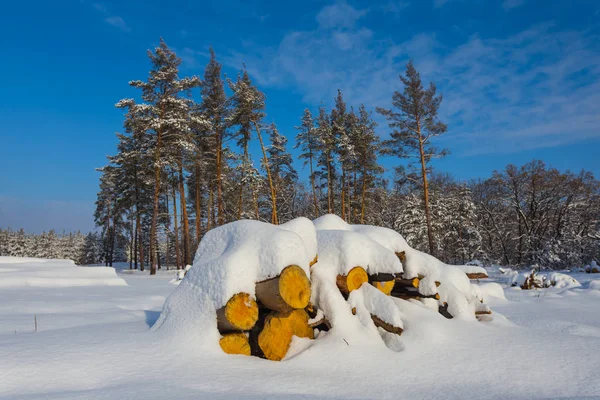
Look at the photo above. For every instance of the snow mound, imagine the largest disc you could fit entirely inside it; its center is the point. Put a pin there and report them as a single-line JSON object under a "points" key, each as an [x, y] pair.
{"points": [[20, 272], [472, 269], [230, 260], [340, 251], [594, 285]]}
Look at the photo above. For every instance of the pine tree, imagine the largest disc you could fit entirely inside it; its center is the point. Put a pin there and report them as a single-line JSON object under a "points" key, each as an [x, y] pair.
{"points": [[168, 115], [214, 109], [326, 161], [283, 173], [366, 148], [248, 104], [307, 140], [414, 122]]}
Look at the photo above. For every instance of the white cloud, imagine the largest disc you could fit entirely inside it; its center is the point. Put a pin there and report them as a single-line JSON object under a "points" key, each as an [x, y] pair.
{"points": [[339, 15], [118, 22]]}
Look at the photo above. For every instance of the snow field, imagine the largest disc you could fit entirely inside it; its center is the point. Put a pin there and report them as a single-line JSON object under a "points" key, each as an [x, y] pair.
{"points": [[93, 343]]}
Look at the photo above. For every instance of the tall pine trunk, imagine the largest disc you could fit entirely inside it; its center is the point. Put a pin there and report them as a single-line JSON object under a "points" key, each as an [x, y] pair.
{"points": [[312, 183], [198, 206], [364, 196], [274, 219], [241, 195], [329, 187], [184, 216], [153, 241], [220, 210], [426, 192], [177, 258]]}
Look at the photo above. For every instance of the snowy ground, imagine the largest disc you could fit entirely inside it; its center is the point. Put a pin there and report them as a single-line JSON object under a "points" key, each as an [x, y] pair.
{"points": [[93, 343]]}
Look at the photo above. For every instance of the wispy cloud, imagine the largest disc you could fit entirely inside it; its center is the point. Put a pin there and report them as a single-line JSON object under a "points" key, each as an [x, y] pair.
{"points": [[510, 4], [118, 22], [338, 15], [536, 88], [114, 20]]}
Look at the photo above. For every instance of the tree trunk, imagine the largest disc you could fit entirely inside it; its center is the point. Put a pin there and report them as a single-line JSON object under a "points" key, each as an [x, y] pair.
{"points": [[329, 187], [364, 196], [220, 211], [184, 217], [274, 219], [177, 259], [198, 206], [343, 205], [426, 193], [210, 213], [153, 263], [312, 183], [241, 195]]}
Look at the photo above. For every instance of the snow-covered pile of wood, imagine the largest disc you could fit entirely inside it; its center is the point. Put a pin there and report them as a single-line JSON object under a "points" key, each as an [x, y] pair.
{"points": [[255, 286], [593, 268], [534, 280]]}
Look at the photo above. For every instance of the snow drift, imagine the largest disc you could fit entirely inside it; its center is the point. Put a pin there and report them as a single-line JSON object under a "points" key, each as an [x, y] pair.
{"points": [[18, 272]]}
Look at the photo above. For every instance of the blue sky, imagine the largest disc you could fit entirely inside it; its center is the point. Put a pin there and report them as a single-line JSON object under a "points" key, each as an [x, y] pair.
{"points": [[520, 78]]}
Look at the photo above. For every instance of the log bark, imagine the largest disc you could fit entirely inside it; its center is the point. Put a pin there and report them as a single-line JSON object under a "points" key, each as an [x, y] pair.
{"points": [[276, 332], [239, 314], [477, 275], [355, 278], [235, 343], [382, 277], [290, 290], [401, 256], [443, 309], [386, 326], [409, 283]]}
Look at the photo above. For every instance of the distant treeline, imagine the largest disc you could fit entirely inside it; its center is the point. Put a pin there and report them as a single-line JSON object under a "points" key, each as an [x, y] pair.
{"points": [[84, 249]]}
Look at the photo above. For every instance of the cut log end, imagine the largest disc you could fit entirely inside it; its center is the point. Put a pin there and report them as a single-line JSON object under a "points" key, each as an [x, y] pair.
{"points": [[290, 290], [314, 261], [276, 336], [294, 287], [385, 287], [240, 313], [354, 280], [235, 343]]}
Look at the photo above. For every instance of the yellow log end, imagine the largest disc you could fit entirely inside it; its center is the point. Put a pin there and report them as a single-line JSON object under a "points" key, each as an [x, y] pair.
{"points": [[235, 343], [355, 278], [314, 261], [294, 287], [276, 336], [385, 287], [241, 311]]}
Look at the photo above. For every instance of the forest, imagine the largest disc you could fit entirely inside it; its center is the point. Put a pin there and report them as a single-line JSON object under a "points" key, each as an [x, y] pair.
{"points": [[184, 165]]}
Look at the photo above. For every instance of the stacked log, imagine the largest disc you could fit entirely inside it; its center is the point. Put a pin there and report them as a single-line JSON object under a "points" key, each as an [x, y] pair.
{"points": [[384, 282], [476, 275], [409, 289], [265, 328], [352, 281]]}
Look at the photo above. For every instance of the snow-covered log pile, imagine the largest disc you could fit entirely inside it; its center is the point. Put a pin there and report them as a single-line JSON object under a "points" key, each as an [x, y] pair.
{"points": [[534, 280], [593, 268], [254, 286]]}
